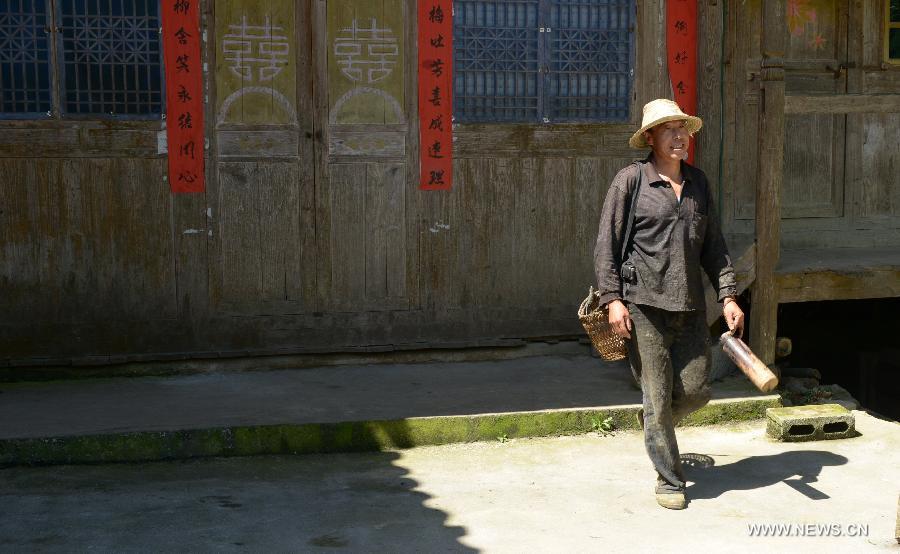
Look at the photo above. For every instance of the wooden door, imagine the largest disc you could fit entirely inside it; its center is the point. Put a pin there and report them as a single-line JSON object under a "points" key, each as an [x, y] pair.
{"points": [[260, 224], [815, 64], [365, 212]]}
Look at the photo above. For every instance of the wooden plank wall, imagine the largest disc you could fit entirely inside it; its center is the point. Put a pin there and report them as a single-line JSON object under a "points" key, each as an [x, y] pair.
{"points": [[877, 199], [313, 235], [76, 229], [86, 224]]}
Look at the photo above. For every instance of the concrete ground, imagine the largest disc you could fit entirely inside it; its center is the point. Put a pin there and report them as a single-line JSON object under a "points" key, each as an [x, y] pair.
{"points": [[587, 493], [313, 395], [322, 395], [331, 409]]}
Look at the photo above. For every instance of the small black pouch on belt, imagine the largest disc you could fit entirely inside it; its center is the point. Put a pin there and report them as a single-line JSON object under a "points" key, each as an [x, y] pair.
{"points": [[628, 273]]}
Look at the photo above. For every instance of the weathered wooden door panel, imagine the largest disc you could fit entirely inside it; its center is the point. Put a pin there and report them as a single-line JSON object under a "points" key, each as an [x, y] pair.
{"points": [[814, 144], [86, 240], [256, 62], [365, 58], [260, 230], [879, 191], [367, 239], [365, 219], [386, 251], [813, 166]]}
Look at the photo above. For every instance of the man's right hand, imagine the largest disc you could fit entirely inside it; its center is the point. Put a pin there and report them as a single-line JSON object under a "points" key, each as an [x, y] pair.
{"points": [[619, 318]]}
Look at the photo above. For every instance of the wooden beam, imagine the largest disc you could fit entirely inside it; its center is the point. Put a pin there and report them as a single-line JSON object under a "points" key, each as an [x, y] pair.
{"points": [[817, 274], [472, 140], [814, 286], [764, 320], [842, 103]]}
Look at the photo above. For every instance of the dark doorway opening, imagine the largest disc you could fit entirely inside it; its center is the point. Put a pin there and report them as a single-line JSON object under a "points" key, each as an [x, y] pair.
{"points": [[853, 343]]}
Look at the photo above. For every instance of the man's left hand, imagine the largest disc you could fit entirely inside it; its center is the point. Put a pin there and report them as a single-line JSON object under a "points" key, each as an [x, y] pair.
{"points": [[734, 317]]}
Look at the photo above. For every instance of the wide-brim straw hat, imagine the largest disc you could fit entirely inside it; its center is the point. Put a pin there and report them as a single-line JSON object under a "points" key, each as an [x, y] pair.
{"points": [[660, 111]]}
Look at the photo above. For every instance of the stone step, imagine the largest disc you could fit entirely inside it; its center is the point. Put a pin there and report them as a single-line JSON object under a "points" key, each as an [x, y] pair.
{"points": [[809, 423], [349, 436]]}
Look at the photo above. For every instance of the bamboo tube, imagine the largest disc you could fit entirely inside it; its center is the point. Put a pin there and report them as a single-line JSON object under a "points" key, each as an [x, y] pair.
{"points": [[758, 373]]}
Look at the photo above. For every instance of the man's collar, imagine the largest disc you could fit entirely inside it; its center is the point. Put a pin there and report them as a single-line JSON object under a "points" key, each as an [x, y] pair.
{"points": [[652, 176]]}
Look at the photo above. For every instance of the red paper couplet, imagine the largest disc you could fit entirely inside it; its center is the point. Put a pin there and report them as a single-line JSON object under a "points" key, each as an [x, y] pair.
{"points": [[184, 94], [436, 94], [681, 51]]}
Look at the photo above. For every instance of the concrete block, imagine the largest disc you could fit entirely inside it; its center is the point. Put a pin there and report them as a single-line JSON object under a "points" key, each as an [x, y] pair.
{"points": [[809, 423]]}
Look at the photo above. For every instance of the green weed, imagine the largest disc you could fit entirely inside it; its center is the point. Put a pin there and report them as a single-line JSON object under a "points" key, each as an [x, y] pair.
{"points": [[604, 425]]}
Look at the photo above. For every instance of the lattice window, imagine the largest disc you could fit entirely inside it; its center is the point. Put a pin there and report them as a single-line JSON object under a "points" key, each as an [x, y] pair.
{"points": [[111, 57], [542, 60], [590, 60], [105, 57], [24, 58], [495, 60]]}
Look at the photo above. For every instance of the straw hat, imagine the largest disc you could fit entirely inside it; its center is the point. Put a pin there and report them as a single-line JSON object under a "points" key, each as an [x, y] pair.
{"points": [[660, 111]]}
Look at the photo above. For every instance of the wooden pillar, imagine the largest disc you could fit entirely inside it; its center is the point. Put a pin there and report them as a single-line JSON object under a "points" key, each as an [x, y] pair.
{"points": [[763, 324]]}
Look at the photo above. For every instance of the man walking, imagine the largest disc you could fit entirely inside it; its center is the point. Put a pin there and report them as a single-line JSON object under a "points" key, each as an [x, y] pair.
{"points": [[654, 292]]}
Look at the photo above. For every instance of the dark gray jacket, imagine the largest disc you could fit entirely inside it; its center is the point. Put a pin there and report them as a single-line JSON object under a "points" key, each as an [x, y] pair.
{"points": [[671, 242]]}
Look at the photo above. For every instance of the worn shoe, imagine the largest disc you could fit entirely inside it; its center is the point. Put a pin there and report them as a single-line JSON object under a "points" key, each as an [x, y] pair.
{"points": [[673, 500], [670, 496]]}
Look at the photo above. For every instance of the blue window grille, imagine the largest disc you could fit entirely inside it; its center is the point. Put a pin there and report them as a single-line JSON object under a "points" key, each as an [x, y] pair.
{"points": [[110, 57], [24, 58], [105, 57], [542, 60]]}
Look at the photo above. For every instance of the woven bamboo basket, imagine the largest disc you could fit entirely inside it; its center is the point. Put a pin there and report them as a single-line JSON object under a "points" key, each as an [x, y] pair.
{"points": [[595, 320]]}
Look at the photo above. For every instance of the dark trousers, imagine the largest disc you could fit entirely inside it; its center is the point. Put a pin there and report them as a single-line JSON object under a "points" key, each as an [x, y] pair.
{"points": [[669, 355]]}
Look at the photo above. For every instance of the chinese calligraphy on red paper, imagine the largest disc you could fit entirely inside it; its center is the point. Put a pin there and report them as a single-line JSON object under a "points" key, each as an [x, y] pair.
{"points": [[681, 52], [435, 94], [184, 95]]}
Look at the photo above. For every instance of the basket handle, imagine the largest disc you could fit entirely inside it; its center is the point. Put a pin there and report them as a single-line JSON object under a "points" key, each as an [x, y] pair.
{"points": [[586, 304]]}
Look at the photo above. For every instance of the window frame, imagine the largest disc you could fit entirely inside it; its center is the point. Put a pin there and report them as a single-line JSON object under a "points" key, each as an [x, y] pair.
{"points": [[888, 25], [544, 84], [51, 49], [57, 71]]}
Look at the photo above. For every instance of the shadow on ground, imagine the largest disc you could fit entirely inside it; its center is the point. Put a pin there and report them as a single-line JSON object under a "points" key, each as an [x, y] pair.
{"points": [[356, 501], [798, 469]]}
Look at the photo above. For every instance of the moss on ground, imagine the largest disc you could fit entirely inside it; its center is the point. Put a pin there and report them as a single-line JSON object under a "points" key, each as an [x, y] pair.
{"points": [[347, 437]]}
